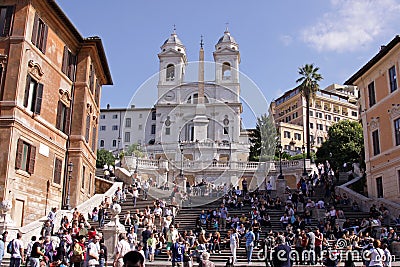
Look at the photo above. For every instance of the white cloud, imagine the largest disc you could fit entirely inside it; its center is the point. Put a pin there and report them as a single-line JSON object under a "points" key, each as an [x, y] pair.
{"points": [[351, 24], [286, 39]]}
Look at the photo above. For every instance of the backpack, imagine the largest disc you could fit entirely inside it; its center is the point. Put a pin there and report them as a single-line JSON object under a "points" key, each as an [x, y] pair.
{"points": [[10, 247]]}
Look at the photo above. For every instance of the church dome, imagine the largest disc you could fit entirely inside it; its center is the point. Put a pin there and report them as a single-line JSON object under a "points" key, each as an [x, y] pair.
{"points": [[174, 43], [226, 41], [173, 39], [227, 38]]}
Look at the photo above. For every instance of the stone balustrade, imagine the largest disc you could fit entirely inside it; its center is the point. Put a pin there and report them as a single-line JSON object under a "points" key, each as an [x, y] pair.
{"points": [[365, 203], [85, 208]]}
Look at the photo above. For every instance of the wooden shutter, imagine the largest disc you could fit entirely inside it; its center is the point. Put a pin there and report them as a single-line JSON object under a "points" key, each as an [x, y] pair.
{"points": [[44, 38], [59, 113], [87, 128], [38, 101], [67, 121], [32, 159], [35, 30], [18, 160], [72, 66], [91, 78], [64, 67], [57, 171], [8, 20], [97, 94], [26, 95], [94, 135]]}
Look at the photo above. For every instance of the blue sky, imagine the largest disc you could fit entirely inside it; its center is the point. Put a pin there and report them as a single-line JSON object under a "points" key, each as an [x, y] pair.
{"points": [[274, 37]]}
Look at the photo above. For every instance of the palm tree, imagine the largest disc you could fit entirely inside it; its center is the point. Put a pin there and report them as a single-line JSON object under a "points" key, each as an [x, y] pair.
{"points": [[309, 78]]}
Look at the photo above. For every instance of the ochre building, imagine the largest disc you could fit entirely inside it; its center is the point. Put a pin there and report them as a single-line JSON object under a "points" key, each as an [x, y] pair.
{"points": [[380, 115], [50, 86]]}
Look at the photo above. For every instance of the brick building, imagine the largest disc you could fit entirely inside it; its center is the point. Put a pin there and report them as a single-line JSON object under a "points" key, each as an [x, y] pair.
{"points": [[50, 86], [380, 115]]}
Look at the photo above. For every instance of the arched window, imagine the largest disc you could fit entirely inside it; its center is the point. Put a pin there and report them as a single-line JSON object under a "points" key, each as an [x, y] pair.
{"points": [[170, 72], [226, 71], [101, 143], [193, 99]]}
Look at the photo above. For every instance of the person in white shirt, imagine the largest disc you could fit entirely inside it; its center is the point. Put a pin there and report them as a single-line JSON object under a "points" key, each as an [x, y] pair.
{"points": [[121, 249], [377, 255], [135, 195], [93, 252], [234, 243], [18, 251], [157, 212]]}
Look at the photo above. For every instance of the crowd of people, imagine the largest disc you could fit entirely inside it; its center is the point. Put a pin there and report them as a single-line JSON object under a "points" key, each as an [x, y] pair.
{"points": [[243, 219]]}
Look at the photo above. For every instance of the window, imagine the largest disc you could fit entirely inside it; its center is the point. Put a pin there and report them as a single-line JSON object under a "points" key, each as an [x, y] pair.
{"points": [[127, 137], [397, 131], [63, 117], [320, 126], [115, 116], [336, 119], [153, 116], [354, 113], [295, 115], [6, 19], [318, 115], [379, 187], [101, 143], [393, 79], [312, 139], [311, 125], [26, 157], [153, 129], [90, 183], [327, 127], [69, 64], [328, 117], [102, 116], [170, 72], [97, 93], [375, 142], [320, 140], [226, 71], [297, 136], [114, 143], [167, 131], [39, 34], [286, 134], [102, 128], [94, 137], [371, 94], [87, 128], [114, 128], [398, 178], [226, 130], [311, 113], [91, 78], [83, 176], [57, 171], [140, 127], [128, 122], [33, 95]]}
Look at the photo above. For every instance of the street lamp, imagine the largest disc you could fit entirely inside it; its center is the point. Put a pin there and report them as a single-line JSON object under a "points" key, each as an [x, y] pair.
{"points": [[280, 176], [181, 148], [70, 168], [304, 161]]}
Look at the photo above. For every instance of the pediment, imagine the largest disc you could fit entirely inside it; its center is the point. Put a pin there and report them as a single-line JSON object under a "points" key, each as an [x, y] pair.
{"points": [[171, 52]]}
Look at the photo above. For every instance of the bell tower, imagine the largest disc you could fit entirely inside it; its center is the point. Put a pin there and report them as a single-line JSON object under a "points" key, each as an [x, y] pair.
{"points": [[172, 59], [227, 60]]}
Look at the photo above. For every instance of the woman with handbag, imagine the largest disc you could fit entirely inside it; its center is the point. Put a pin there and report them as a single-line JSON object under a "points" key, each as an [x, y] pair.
{"points": [[78, 252]]}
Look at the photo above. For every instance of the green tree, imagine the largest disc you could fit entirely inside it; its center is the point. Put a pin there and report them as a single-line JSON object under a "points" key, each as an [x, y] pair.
{"points": [[263, 139], [104, 157], [134, 150], [344, 144], [309, 78]]}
